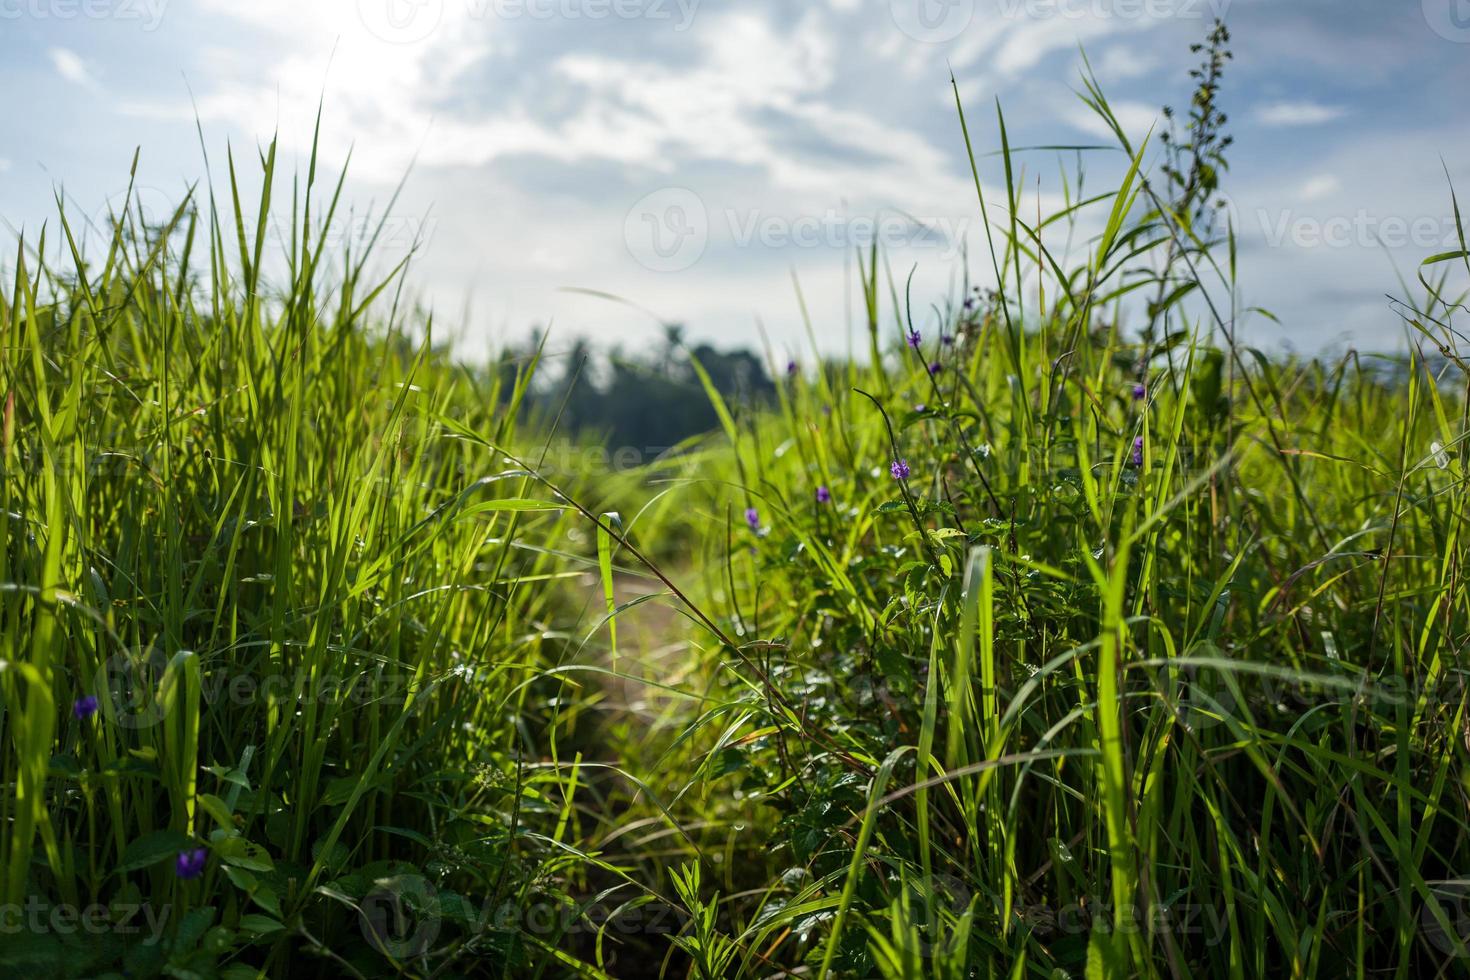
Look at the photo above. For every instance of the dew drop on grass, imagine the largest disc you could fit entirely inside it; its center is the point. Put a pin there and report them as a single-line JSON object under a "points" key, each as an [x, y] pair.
{"points": [[1329, 645], [1441, 458]]}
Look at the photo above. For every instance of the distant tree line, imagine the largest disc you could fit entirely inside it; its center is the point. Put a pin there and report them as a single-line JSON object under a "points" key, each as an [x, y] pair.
{"points": [[648, 400]]}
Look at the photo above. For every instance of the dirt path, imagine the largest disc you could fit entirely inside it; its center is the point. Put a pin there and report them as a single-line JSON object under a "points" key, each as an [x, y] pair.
{"points": [[652, 642]]}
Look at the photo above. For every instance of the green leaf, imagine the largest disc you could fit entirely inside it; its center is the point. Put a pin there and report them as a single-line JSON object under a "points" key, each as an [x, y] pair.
{"points": [[230, 775], [1104, 958], [154, 848], [218, 809], [241, 853], [261, 925]]}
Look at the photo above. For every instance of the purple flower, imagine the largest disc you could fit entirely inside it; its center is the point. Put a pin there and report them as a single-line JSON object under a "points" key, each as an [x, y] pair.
{"points": [[84, 708], [823, 495], [791, 369], [969, 302], [899, 468], [190, 864], [921, 408], [1138, 451], [935, 368], [1139, 392], [914, 339], [946, 339], [753, 518]]}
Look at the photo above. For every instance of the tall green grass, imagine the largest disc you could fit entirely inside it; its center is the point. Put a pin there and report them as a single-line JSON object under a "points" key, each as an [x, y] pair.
{"points": [[255, 515], [1146, 661], [1150, 666]]}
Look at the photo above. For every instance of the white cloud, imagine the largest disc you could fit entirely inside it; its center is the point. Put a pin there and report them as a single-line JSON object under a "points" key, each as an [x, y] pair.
{"points": [[1322, 254], [1121, 63], [535, 136], [70, 66], [1135, 117], [748, 86], [1298, 114], [380, 93], [749, 114], [1011, 44], [1320, 186]]}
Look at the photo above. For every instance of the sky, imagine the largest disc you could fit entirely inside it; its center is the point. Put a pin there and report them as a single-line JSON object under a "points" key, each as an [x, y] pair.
{"points": [[702, 160]]}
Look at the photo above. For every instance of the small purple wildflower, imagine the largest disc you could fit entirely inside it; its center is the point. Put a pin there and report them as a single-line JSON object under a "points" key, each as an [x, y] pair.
{"points": [[753, 518], [900, 469], [824, 495], [790, 369], [921, 408], [935, 368], [914, 339], [85, 707], [1140, 391], [1138, 451], [946, 339], [969, 302], [190, 864]]}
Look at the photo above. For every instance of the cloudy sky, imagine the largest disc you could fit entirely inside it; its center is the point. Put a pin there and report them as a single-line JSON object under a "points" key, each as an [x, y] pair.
{"points": [[696, 156]]}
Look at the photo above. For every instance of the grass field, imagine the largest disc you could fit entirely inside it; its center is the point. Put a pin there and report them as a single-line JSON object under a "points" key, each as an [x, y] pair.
{"points": [[1061, 635]]}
